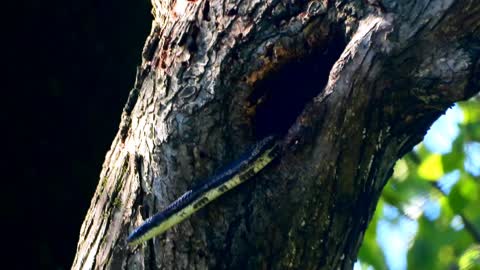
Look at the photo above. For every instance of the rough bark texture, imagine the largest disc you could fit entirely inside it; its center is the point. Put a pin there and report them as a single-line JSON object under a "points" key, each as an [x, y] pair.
{"points": [[350, 85]]}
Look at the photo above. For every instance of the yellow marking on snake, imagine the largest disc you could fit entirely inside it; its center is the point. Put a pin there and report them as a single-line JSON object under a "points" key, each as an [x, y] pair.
{"points": [[243, 175]]}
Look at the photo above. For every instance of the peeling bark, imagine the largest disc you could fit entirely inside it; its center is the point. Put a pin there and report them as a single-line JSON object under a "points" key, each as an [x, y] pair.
{"points": [[350, 86]]}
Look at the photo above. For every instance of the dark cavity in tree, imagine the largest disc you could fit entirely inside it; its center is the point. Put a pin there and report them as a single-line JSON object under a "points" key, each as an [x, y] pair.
{"points": [[287, 91]]}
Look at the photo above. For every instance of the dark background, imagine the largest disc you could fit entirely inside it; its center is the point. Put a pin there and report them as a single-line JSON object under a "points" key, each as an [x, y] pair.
{"points": [[69, 66]]}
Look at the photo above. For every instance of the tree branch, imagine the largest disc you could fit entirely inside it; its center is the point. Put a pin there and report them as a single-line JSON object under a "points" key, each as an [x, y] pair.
{"points": [[210, 72]]}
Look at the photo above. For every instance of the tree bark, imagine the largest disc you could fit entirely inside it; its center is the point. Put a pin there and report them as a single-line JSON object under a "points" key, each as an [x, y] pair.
{"points": [[350, 87]]}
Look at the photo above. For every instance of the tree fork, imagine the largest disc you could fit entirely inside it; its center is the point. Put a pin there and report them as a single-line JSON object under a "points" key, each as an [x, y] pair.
{"points": [[363, 84]]}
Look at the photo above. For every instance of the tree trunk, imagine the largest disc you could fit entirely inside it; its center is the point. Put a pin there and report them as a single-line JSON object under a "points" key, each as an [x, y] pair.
{"points": [[350, 86]]}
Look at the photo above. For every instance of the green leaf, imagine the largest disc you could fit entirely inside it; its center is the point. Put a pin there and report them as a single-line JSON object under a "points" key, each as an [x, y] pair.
{"points": [[473, 131], [431, 168], [400, 170], [471, 112], [469, 188], [470, 260], [456, 200], [437, 245], [455, 159], [464, 192]]}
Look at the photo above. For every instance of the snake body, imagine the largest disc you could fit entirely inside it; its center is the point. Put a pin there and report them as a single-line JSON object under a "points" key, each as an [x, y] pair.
{"points": [[248, 165]]}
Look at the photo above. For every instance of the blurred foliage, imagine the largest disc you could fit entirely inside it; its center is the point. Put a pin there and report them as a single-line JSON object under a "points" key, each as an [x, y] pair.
{"points": [[437, 192]]}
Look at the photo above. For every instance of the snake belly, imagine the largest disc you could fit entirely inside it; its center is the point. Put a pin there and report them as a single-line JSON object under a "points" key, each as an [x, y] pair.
{"points": [[248, 165]]}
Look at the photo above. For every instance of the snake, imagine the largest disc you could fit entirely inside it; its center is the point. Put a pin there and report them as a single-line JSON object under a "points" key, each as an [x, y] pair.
{"points": [[256, 158]]}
